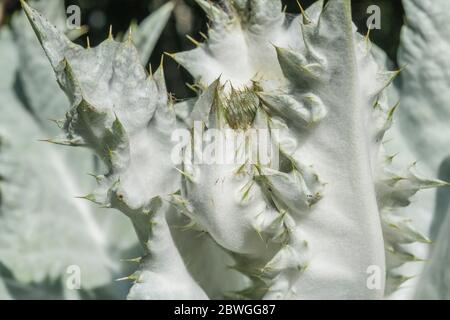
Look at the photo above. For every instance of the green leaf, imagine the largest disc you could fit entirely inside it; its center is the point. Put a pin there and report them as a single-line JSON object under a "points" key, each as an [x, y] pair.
{"points": [[147, 33]]}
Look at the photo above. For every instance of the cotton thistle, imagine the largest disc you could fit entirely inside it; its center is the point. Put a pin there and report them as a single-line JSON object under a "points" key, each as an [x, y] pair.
{"points": [[245, 25], [308, 228], [35, 177]]}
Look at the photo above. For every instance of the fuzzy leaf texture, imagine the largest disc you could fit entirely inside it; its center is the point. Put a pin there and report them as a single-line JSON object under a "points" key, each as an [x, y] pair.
{"points": [[424, 91], [363, 78], [307, 229], [40, 182], [126, 117]]}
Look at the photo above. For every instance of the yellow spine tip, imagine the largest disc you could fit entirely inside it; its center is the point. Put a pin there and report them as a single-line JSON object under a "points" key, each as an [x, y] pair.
{"points": [[130, 35], [306, 19], [367, 37], [161, 63], [150, 70], [195, 42]]}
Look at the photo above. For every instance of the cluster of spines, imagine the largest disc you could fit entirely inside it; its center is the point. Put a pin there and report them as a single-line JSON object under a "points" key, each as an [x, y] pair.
{"points": [[311, 69], [280, 230]]}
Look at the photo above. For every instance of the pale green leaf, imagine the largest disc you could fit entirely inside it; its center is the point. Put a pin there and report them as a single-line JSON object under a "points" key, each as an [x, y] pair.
{"points": [[44, 228], [423, 127], [147, 33]]}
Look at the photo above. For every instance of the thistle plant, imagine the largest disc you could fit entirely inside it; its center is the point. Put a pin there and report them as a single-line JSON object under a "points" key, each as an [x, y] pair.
{"points": [[42, 233], [308, 221]]}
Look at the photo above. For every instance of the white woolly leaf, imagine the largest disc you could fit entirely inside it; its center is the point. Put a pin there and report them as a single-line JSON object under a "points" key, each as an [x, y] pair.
{"points": [[44, 228], [40, 217], [331, 122], [126, 117]]}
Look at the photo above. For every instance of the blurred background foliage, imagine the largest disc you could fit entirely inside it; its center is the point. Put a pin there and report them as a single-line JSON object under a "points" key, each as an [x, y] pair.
{"points": [[187, 18]]}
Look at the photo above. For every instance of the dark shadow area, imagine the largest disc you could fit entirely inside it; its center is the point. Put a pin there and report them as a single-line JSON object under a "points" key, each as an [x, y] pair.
{"points": [[189, 19]]}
